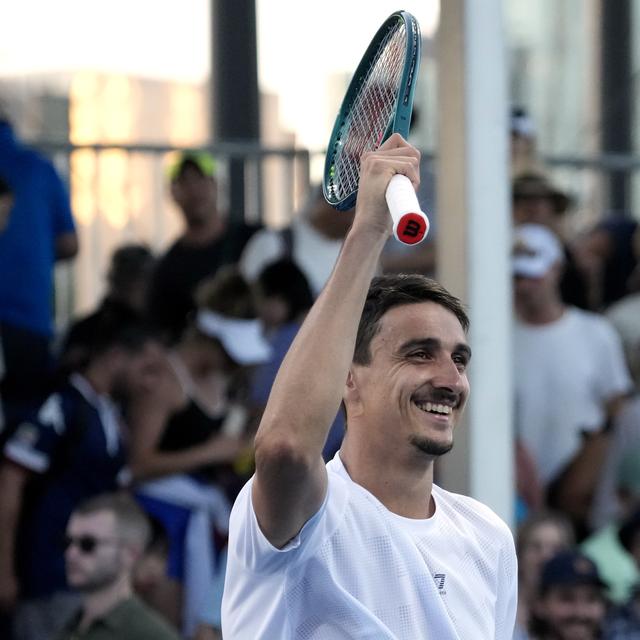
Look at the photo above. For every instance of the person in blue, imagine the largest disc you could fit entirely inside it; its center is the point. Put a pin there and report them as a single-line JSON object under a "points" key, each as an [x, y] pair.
{"points": [[70, 449], [38, 230]]}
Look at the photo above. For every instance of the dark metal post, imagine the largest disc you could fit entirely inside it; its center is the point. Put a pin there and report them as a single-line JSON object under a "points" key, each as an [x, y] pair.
{"points": [[235, 108], [615, 100]]}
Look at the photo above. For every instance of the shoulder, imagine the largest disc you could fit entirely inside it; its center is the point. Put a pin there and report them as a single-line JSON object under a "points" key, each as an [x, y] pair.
{"points": [[468, 513], [135, 619], [590, 321], [263, 247]]}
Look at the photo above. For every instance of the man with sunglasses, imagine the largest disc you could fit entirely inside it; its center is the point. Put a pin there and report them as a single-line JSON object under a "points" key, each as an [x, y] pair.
{"points": [[105, 538]]}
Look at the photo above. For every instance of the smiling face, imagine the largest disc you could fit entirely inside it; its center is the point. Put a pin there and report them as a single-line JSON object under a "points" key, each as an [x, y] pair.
{"points": [[572, 612], [412, 392]]}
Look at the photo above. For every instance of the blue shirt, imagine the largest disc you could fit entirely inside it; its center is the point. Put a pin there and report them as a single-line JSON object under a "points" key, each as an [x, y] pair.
{"points": [[40, 212], [74, 444]]}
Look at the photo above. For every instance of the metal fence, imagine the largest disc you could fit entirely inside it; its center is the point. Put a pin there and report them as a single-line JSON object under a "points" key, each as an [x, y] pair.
{"points": [[120, 194]]}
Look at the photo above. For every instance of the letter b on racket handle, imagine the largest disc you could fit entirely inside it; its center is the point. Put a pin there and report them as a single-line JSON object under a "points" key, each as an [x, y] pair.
{"points": [[410, 224]]}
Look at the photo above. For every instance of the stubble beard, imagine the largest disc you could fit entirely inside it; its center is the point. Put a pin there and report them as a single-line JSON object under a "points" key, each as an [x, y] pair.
{"points": [[430, 447]]}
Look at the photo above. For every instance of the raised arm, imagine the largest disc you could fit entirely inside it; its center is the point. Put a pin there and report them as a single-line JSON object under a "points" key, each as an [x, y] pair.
{"points": [[290, 480]]}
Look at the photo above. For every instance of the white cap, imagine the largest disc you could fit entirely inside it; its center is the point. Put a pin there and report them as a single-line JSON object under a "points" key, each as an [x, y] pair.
{"points": [[241, 339], [535, 250]]}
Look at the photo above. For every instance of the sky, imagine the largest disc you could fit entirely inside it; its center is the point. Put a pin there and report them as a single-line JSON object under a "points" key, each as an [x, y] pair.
{"points": [[300, 43]]}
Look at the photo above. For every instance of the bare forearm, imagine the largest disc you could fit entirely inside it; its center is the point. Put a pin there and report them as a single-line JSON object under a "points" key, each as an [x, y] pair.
{"points": [[160, 463]]}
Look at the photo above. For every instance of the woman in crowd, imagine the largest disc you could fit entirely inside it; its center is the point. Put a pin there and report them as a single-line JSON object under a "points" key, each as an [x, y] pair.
{"points": [[186, 434]]}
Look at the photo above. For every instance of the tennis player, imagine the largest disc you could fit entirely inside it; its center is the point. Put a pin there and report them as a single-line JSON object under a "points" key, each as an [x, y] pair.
{"points": [[367, 546]]}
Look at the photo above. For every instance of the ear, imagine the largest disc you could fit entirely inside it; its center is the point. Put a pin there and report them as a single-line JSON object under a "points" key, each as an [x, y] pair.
{"points": [[352, 400], [132, 554]]}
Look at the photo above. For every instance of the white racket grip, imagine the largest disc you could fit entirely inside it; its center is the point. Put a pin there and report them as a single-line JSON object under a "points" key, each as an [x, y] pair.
{"points": [[410, 224]]}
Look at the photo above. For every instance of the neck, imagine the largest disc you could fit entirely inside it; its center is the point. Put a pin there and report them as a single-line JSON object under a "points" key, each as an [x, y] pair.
{"points": [[403, 488], [191, 357], [99, 378], [98, 603], [540, 312], [204, 231]]}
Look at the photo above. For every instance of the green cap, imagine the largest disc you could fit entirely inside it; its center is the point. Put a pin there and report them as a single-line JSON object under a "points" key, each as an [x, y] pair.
{"points": [[200, 159]]}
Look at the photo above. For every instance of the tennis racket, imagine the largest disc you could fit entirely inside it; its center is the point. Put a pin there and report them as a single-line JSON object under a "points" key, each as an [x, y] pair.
{"points": [[378, 103]]}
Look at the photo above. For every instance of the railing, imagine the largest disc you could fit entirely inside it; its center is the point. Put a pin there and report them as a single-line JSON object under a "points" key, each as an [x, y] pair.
{"points": [[120, 194]]}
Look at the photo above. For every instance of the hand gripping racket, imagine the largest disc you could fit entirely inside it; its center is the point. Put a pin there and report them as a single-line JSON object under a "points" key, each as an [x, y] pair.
{"points": [[378, 102]]}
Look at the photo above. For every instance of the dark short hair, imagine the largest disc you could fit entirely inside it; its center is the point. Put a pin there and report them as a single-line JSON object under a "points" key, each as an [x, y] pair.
{"points": [[394, 290], [113, 333], [227, 292], [284, 279], [129, 263], [132, 523]]}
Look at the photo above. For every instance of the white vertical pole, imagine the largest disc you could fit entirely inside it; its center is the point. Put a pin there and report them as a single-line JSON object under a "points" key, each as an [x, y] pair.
{"points": [[474, 231]]}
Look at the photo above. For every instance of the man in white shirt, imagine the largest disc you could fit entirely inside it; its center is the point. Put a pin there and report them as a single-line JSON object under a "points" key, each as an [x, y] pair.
{"points": [[569, 373], [367, 546], [313, 241]]}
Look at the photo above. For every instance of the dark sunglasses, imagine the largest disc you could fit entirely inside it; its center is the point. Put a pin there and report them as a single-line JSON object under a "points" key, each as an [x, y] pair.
{"points": [[86, 544]]}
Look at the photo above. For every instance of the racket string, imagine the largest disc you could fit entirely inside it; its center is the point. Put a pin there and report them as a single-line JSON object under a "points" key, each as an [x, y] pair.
{"points": [[371, 112]]}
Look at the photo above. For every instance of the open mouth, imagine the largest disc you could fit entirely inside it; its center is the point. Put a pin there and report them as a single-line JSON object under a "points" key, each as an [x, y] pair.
{"points": [[435, 408]]}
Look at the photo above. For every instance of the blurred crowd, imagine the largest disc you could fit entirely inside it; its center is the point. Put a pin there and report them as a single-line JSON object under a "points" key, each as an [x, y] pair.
{"points": [[127, 435]]}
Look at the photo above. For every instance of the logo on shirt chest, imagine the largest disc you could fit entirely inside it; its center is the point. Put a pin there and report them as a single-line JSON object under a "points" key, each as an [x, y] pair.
{"points": [[439, 579]]}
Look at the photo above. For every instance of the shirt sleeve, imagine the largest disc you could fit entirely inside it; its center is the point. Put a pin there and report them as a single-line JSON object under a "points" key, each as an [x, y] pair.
{"points": [[249, 546], [35, 441]]}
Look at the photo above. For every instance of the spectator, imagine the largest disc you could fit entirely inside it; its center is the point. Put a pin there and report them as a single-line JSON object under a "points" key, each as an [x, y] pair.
{"points": [[609, 246], [312, 241], [106, 537], [571, 376], [624, 314], [188, 429], [624, 621], [540, 537], [283, 298], [616, 566], [524, 155], [125, 302], [72, 448], [571, 602], [37, 230], [613, 502], [537, 201], [210, 239]]}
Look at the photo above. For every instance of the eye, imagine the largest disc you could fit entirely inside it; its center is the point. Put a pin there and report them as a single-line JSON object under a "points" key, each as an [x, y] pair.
{"points": [[421, 354], [460, 361]]}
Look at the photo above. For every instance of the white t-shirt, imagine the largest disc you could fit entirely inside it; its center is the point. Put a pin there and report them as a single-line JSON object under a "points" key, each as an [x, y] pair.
{"points": [[564, 372], [356, 570], [314, 253]]}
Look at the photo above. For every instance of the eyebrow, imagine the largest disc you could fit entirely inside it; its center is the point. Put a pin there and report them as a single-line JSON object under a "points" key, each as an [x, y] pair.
{"points": [[433, 344]]}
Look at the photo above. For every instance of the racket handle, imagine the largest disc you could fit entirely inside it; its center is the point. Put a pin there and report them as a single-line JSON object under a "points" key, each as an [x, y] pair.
{"points": [[410, 224]]}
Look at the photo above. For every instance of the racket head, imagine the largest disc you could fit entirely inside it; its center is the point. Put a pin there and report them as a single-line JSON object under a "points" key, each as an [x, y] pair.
{"points": [[378, 102]]}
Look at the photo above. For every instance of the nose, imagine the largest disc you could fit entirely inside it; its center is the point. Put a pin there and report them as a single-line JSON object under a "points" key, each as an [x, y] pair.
{"points": [[449, 376]]}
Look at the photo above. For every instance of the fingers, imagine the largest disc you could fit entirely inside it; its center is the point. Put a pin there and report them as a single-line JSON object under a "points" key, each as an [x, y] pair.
{"points": [[404, 160]]}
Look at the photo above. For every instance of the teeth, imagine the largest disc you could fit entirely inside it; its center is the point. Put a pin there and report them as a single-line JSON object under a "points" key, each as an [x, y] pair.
{"points": [[432, 407]]}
